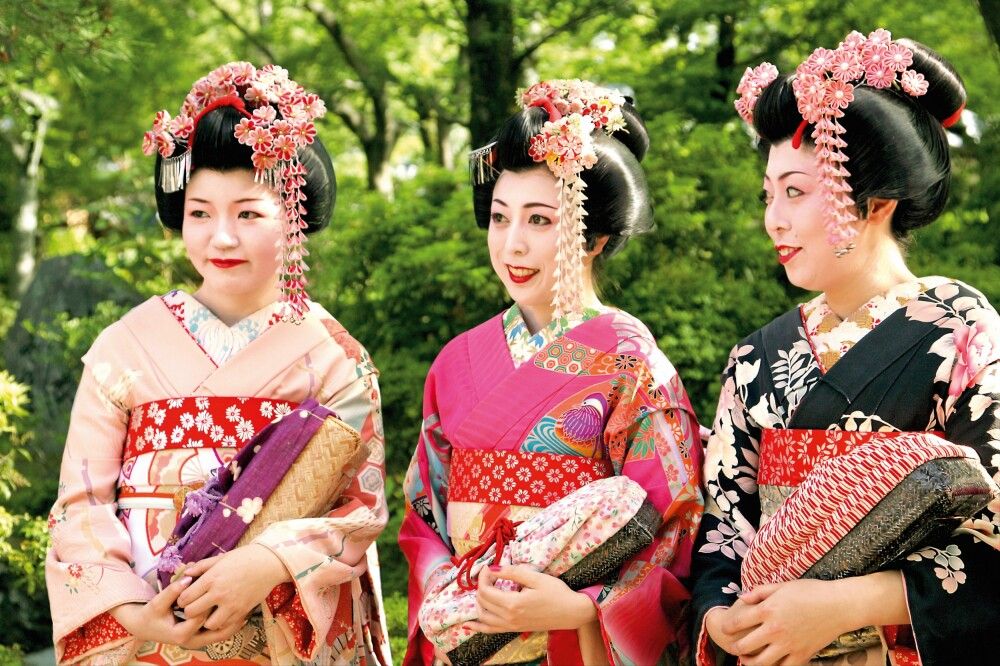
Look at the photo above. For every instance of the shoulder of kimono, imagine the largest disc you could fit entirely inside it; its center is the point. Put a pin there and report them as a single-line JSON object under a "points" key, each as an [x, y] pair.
{"points": [[459, 347]]}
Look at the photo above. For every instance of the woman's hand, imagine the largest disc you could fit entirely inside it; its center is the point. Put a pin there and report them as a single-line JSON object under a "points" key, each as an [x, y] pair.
{"points": [[786, 623], [544, 603], [229, 586], [714, 621], [155, 620]]}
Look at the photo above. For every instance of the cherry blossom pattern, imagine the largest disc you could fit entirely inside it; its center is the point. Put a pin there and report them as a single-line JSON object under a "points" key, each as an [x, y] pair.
{"points": [[824, 86], [279, 121]]}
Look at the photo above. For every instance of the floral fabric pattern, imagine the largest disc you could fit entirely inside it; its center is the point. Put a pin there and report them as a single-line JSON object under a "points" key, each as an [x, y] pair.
{"points": [[553, 540], [119, 497], [524, 344], [932, 363]]}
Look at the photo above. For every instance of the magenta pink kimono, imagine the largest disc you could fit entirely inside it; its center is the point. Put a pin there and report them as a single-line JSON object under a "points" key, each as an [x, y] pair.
{"points": [[599, 399]]}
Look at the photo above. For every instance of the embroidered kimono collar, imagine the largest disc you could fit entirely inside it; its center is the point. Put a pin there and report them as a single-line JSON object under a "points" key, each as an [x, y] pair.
{"points": [[832, 337], [524, 345], [219, 341]]}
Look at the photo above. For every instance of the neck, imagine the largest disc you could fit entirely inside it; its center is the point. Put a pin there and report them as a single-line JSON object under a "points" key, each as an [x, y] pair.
{"points": [[879, 271], [231, 308], [537, 317]]}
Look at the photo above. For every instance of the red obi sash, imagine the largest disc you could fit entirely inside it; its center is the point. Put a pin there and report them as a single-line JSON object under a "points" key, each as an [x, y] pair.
{"points": [[521, 478], [788, 456], [199, 422]]}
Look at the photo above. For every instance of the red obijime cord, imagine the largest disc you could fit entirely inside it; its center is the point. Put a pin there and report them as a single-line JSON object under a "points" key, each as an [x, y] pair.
{"points": [[504, 531]]}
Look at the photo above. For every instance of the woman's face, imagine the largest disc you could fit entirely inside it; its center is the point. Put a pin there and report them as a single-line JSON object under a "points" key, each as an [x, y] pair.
{"points": [[232, 231], [523, 236], [794, 219]]}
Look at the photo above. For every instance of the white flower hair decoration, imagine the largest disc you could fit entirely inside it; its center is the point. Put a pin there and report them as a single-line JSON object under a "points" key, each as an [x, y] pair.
{"points": [[823, 87], [576, 109], [278, 120]]}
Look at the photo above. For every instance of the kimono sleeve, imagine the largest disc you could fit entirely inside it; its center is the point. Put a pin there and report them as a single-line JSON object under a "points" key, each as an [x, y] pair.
{"points": [[324, 555], [88, 567], [732, 507], [654, 439], [951, 583], [423, 535]]}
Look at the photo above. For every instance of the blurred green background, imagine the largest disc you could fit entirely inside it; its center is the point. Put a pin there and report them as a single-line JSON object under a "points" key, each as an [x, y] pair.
{"points": [[411, 85]]}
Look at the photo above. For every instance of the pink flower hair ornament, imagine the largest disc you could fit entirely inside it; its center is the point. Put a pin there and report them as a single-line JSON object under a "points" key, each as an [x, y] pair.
{"points": [[278, 119], [576, 109], [823, 87]]}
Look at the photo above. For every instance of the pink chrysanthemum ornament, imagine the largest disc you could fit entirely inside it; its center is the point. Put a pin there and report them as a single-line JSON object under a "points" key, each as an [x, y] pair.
{"points": [[824, 86], [278, 121]]}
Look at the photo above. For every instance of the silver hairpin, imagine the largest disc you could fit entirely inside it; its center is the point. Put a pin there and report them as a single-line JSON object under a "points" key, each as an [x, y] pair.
{"points": [[175, 172], [481, 169]]}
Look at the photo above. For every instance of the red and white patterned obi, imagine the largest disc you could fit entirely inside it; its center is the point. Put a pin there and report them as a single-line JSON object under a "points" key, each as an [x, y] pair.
{"points": [[488, 485]]}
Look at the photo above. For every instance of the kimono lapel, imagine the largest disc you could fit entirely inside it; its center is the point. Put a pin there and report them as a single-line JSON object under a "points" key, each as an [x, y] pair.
{"points": [[256, 365], [185, 369], [180, 363], [510, 401], [867, 366]]}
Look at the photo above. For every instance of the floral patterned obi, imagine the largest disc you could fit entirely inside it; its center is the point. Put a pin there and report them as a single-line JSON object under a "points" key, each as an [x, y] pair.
{"points": [[171, 448], [521, 478], [486, 485]]}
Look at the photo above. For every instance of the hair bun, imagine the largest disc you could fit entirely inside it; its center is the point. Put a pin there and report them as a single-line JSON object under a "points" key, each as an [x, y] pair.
{"points": [[945, 91], [634, 136]]}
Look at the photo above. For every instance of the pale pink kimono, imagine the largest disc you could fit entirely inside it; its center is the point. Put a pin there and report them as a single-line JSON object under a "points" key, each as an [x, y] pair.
{"points": [[149, 361]]}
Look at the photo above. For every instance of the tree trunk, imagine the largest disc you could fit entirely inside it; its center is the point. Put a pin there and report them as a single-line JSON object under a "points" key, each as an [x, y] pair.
{"points": [[25, 232], [725, 57], [990, 9], [493, 73], [26, 223]]}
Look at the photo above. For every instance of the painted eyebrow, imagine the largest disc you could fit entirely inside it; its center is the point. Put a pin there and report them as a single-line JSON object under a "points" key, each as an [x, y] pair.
{"points": [[247, 200], [533, 204], [786, 175]]}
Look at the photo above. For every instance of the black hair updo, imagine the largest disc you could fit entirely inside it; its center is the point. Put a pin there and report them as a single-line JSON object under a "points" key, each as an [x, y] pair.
{"points": [[618, 204], [896, 145], [216, 148]]}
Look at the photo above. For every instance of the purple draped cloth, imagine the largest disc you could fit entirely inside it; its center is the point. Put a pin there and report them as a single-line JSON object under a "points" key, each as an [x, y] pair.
{"points": [[216, 515]]}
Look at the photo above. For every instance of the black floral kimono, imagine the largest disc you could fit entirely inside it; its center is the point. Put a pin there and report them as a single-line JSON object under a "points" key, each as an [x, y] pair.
{"points": [[925, 356]]}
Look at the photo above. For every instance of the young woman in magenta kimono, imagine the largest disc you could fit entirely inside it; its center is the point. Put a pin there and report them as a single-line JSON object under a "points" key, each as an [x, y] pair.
{"points": [[174, 389], [878, 352], [554, 392]]}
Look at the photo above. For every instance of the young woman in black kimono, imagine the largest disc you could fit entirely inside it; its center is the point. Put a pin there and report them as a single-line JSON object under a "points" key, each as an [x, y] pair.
{"points": [[857, 157]]}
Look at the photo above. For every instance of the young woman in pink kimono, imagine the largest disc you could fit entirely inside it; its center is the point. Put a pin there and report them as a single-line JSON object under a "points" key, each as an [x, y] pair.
{"points": [[172, 391], [553, 393]]}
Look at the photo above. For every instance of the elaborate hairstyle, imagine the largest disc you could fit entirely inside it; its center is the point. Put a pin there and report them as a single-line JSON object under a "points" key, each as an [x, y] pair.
{"points": [[241, 117], [891, 132], [216, 148], [617, 202]]}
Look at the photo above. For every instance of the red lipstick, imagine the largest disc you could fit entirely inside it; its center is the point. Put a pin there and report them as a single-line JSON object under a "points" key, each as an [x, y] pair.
{"points": [[523, 277], [786, 253], [227, 263]]}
